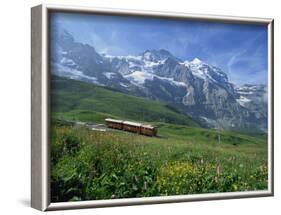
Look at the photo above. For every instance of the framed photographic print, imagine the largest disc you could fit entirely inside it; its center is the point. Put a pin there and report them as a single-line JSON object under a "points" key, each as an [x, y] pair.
{"points": [[141, 107]]}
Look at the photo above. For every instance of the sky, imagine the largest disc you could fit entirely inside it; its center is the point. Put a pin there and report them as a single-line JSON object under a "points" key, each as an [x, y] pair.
{"points": [[240, 50]]}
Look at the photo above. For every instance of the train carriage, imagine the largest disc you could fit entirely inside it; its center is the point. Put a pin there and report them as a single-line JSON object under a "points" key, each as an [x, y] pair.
{"points": [[113, 123], [148, 130], [131, 127]]}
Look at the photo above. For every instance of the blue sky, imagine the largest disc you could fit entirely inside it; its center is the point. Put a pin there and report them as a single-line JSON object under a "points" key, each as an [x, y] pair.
{"points": [[240, 50]]}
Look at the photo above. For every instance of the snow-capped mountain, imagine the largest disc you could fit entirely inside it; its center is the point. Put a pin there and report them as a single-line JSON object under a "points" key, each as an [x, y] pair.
{"points": [[192, 87], [254, 98]]}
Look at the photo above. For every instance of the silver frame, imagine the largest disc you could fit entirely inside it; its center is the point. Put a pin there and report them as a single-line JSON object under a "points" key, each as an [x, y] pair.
{"points": [[40, 152]]}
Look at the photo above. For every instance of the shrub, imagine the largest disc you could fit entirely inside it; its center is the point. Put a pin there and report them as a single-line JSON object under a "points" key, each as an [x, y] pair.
{"points": [[186, 178]]}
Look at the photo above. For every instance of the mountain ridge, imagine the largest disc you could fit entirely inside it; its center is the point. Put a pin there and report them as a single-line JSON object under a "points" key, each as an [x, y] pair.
{"points": [[77, 100], [193, 87]]}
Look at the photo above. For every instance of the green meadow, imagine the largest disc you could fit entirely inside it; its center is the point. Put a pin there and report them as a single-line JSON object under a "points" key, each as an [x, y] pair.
{"points": [[183, 159]]}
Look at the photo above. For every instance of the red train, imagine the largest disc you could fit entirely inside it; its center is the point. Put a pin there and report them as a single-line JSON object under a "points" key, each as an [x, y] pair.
{"points": [[131, 127]]}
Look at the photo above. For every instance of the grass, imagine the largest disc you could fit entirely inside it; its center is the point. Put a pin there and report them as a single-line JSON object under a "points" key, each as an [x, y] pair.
{"points": [[105, 165], [184, 159]]}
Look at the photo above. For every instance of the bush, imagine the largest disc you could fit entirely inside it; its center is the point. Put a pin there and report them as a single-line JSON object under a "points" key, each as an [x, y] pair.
{"points": [[71, 144], [186, 178], [191, 178]]}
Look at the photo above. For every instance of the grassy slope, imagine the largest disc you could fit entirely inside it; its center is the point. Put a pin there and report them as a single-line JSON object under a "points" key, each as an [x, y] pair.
{"points": [[86, 102], [185, 159]]}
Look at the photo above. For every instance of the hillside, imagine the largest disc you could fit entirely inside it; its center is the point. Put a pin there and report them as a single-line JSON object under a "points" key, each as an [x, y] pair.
{"points": [[184, 159], [76, 100]]}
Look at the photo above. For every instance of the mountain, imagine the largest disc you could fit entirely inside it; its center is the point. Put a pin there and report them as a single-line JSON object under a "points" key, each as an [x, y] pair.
{"points": [[73, 99], [254, 98], [81, 61], [194, 88]]}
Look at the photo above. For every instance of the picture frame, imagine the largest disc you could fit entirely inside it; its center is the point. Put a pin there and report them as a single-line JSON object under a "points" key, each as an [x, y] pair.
{"points": [[40, 109]]}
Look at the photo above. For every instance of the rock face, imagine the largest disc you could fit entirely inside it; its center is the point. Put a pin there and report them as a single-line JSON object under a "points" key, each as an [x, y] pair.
{"points": [[255, 99], [192, 87]]}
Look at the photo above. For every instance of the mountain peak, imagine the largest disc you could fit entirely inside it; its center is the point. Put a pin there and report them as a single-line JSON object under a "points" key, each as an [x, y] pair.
{"points": [[165, 52], [196, 61], [160, 54]]}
